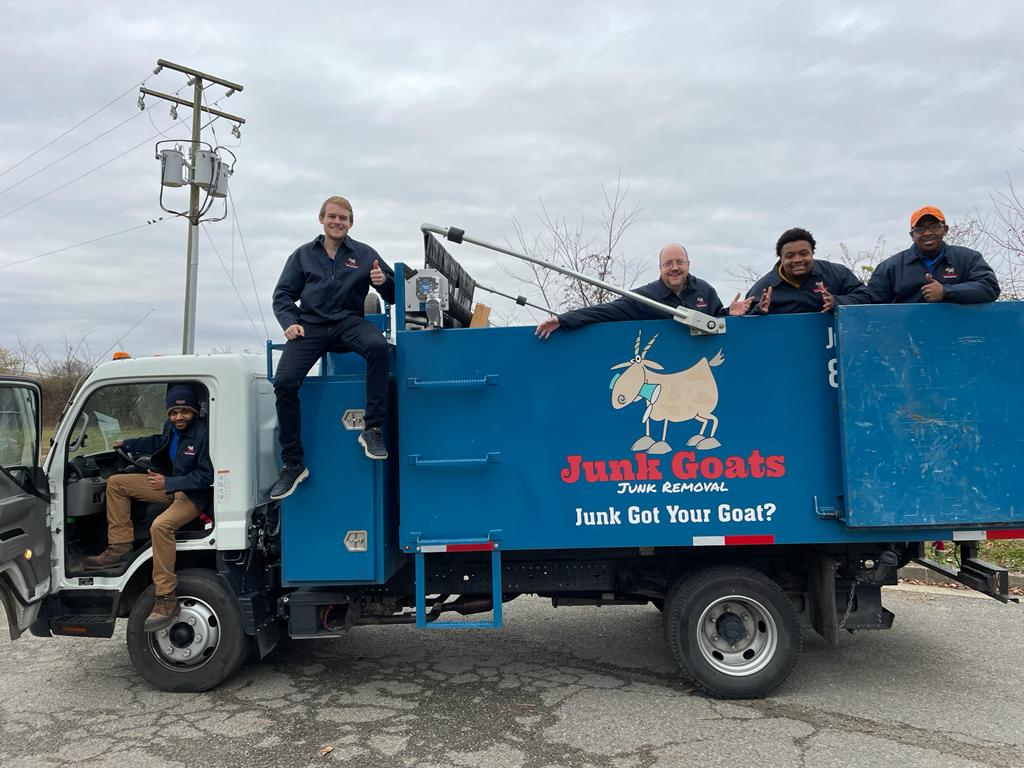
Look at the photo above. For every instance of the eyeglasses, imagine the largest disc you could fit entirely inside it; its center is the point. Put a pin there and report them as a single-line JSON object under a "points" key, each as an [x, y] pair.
{"points": [[674, 263], [935, 226]]}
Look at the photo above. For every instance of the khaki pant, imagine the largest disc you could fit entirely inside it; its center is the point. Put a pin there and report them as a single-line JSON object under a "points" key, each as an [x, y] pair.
{"points": [[121, 489]]}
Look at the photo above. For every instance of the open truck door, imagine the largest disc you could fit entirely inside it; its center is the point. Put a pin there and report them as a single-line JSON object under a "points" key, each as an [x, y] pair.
{"points": [[24, 500]]}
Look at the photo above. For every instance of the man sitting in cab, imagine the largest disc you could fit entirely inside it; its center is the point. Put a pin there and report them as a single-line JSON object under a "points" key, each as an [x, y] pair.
{"points": [[182, 456]]}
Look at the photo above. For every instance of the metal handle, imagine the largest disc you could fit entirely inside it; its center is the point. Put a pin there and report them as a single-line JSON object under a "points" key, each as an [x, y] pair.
{"points": [[689, 317], [491, 379], [418, 461]]}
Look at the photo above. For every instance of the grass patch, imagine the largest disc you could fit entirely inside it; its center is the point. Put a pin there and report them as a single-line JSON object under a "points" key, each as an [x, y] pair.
{"points": [[1008, 553]]}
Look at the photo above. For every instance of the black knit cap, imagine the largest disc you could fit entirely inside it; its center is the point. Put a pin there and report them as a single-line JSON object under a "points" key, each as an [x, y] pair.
{"points": [[182, 396]]}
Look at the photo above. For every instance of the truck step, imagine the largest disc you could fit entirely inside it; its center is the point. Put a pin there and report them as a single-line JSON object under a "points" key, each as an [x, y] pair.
{"points": [[83, 625]]}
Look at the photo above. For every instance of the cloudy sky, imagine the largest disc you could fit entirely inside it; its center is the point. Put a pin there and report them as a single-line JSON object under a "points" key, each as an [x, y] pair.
{"points": [[728, 121]]}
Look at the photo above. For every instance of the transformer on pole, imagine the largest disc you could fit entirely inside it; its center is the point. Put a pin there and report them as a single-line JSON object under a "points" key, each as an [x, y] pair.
{"points": [[207, 176]]}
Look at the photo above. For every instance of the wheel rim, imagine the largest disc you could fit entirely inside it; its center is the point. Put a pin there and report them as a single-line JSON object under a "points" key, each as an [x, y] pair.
{"points": [[191, 640], [737, 636]]}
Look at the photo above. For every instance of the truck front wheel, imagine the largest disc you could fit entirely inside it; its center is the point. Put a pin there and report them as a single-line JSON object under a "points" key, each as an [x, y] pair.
{"points": [[202, 648], [732, 631]]}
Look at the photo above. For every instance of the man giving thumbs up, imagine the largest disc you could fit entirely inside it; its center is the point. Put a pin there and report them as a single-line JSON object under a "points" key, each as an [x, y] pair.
{"points": [[931, 269], [319, 303]]}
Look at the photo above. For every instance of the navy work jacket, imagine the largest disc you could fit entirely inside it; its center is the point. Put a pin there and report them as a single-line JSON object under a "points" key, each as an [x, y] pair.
{"points": [[965, 276], [825, 275], [190, 469], [697, 295], [328, 289]]}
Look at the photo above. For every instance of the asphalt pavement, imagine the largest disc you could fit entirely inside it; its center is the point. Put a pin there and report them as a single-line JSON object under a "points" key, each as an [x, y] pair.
{"points": [[556, 687]]}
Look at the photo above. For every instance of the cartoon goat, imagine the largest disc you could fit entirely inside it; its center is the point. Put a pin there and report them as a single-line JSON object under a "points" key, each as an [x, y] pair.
{"points": [[680, 396]]}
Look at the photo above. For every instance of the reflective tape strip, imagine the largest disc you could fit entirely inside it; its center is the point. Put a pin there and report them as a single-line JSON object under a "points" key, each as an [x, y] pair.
{"points": [[968, 535], [709, 541], [486, 546], [1006, 533], [731, 541], [767, 538]]}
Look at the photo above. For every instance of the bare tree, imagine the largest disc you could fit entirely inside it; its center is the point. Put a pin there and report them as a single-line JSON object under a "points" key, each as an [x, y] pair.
{"points": [[1005, 230], [10, 363], [863, 262], [61, 374], [574, 245], [31, 354]]}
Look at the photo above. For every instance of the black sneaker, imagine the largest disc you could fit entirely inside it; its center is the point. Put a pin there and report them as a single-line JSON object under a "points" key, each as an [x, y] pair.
{"points": [[291, 476], [373, 443]]}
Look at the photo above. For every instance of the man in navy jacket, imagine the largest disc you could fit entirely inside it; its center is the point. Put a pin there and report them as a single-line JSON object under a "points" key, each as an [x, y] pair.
{"points": [[801, 283], [319, 303], [675, 288], [182, 454], [931, 270]]}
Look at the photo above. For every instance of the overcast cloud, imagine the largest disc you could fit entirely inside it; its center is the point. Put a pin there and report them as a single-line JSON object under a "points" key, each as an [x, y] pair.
{"points": [[729, 121]]}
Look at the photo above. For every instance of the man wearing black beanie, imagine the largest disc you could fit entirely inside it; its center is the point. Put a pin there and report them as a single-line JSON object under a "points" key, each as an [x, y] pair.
{"points": [[181, 453]]}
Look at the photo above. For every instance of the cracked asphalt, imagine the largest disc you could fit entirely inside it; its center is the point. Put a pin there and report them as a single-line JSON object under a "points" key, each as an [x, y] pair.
{"points": [[567, 687]]}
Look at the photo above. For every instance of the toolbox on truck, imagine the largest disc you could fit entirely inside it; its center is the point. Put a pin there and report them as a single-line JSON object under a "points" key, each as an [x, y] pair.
{"points": [[930, 399]]}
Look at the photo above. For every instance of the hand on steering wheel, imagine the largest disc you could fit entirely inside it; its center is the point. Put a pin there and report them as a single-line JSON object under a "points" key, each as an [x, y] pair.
{"points": [[141, 463]]}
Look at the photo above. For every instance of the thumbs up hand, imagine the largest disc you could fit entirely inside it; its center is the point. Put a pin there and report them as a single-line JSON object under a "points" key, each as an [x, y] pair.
{"points": [[932, 290], [377, 276]]}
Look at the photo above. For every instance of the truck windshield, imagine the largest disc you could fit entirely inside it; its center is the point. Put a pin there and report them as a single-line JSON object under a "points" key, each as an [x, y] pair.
{"points": [[118, 412]]}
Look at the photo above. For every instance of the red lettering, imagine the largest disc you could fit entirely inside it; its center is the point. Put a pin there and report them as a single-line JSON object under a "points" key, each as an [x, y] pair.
{"points": [[647, 468], [571, 473], [711, 468], [735, 467], [776, 466], [621, 469], [756, 461], [684, 466]]}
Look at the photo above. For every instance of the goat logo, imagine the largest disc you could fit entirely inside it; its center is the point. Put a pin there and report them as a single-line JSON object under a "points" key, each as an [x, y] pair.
{"points": [[680, 396]]}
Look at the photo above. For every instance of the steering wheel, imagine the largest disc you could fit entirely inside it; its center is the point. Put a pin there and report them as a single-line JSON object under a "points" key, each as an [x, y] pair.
{"points": [[142, 463]]}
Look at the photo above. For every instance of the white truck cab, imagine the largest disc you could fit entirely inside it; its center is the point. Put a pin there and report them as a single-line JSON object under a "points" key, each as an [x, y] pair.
{"points": [[54, 515]]}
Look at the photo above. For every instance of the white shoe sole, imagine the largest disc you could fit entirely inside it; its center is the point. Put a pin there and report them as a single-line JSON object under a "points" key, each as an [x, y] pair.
{"points": [[367, 451], [290, 491]]}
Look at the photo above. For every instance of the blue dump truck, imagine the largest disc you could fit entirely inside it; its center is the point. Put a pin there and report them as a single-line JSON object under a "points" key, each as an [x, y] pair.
{"points": [[751, 478]]}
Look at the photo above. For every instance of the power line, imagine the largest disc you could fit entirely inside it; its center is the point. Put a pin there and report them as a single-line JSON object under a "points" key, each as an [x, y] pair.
{"points": [[84, 242], [211, 123], [73, 151], [173, 114], [248, 263], [73, 127], [233, 286], [78, 178], [120, 339]]}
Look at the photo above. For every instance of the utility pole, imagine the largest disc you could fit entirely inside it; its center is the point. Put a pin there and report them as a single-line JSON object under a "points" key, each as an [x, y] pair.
{"points": [[195, 211]]}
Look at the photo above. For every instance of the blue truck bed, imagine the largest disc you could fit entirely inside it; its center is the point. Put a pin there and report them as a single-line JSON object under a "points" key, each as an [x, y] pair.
{"points": [[875, 424]]}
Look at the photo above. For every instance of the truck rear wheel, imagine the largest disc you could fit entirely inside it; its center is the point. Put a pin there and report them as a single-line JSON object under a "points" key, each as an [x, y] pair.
{"points": [[732, 631], [202, 648]]}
